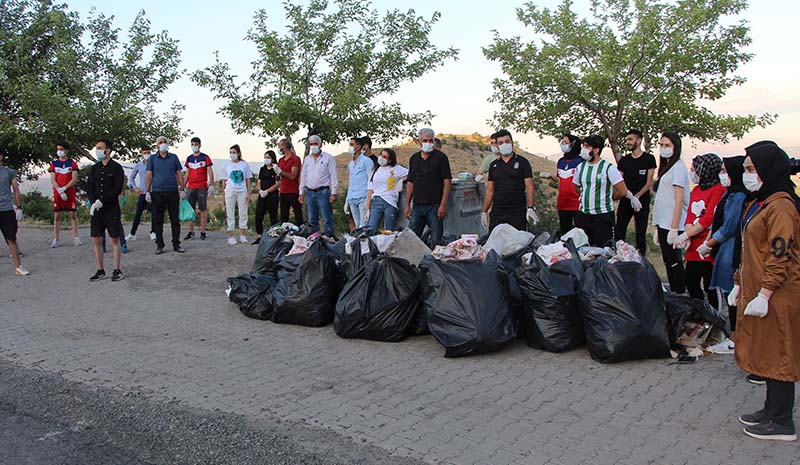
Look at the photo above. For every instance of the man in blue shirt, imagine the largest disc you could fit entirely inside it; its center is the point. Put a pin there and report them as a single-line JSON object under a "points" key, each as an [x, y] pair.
{"points": [[360, 168], [137, 185], [163, 184]]}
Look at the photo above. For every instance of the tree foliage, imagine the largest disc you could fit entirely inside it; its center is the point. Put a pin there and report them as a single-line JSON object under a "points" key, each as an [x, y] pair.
{"points": [[65, 80], [328, 72], [634, 63]]}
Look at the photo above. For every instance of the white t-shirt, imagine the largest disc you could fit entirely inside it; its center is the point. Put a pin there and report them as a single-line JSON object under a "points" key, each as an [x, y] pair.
{"points": [[665, 196], [236, 174], [387, 183]]}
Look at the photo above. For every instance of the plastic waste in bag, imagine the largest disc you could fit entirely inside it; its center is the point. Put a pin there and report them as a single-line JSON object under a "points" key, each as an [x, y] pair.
{"points": [[307, 287], [362, 251], [467, 305], [682, 309], [507, 240], [252, 292], [624, 252], [379, 302], [270, 252], [409, 247], [186, 212], [552, 253], [623, 312], [578, 236]]}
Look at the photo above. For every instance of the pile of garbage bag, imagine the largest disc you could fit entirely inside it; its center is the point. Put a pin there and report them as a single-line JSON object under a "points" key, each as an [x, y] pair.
{"points": [[691, 322], [252, 292]]}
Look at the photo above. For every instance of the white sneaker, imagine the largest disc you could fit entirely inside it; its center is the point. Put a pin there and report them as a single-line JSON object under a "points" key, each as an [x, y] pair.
{"points": [[243, 239], [20, 271], [231, 240], [153, 236], [130, 237], [56, 244], [725, 347], [76, 241]]}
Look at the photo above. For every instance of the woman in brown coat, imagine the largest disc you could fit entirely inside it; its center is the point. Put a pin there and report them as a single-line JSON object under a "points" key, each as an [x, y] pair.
{"points": [[768, 290]]}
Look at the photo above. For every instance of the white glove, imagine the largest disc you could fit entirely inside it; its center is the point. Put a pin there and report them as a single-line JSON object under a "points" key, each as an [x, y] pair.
{"points": [[147, 198], [263, 194], [733, 296], [18, 213], [61, 190], [346, 207], [636, 204], [479, 178], [673, 234], [182, 195], [211, 190], [655, 237], [545, 175], [276, 168], [704, 250], [758, 306], [366, 215], [532, 216], [64, 196], [682, 241], [485, 220], [97, 205]]}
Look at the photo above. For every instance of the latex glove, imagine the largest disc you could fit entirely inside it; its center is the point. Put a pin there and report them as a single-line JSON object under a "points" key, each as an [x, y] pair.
{"points": [[63, 196], [636, 204], [682, 242], [346, 207], [263, 194], [758, 306], [97, 205], [276, 168], [182, 195], [148, 198], [18, 213], [733, 296], [479, 178], [61, 190], [211, 190], [545, 175], [366, 215], [532, 216], [671, 236], [704, 250], [485, 220]]}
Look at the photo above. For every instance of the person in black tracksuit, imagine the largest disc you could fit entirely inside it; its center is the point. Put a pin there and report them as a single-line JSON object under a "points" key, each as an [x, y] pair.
{"points": [[106, 180], [268, 196]]}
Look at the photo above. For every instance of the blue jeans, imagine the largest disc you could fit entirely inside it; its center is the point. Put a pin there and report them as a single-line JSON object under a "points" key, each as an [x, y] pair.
{"points": [[425, 215], [317, 202], [358, 210], [382, 210]]}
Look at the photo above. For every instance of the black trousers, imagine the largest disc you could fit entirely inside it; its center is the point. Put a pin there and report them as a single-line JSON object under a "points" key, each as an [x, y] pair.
{"points": [[515, 218], [141, 206], [599, 228], [697, 272], [673, 262], [291, 201], [732, 317], [780, 402], [566, 220], [166, 202], [269, 204], [625, 213]]}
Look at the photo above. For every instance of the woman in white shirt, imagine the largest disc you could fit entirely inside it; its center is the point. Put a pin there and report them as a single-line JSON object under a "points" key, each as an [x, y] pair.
{"points": [[671, 205], [236, 188], [383, 190]]}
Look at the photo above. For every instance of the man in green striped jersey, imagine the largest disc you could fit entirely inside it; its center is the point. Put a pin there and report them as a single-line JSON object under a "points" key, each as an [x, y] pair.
{"points": [[599, 184]]}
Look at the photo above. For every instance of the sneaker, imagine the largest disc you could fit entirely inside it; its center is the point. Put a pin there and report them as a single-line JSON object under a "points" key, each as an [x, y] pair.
{"points": [[159, 250], [56, 244], [130, 237], [771, 431], [124, 248], [231, 240], [178, 249], [189, 236], [20, 271], [257, 241], [101, 274], [153, 236], [117, 275], [76, 241], [724, 347], [755, 379], [203, 236], [243, 239], [752, 419]]}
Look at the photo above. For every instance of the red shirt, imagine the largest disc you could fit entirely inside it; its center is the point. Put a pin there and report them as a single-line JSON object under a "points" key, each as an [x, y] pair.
{"points": [[568, 198], [63, 170], [290, 186], [702, 204], [197, 168]]}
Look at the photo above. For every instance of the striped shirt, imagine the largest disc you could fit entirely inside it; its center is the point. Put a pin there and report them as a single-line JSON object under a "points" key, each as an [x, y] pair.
{"points": [[597, 186]]}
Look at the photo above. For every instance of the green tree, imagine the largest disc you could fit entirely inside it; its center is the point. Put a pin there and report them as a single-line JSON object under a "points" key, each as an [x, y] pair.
{"points": [[64, 80], [327, 71], [633, 63]]}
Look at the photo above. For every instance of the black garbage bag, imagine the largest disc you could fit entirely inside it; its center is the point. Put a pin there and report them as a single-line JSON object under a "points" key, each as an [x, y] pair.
{"points": [[509, 264], [307, 289], [379, 302], [681, 308], [252, 292], [552, 319], [362, 251], [467, 304], [270, 252], [623, 312]]}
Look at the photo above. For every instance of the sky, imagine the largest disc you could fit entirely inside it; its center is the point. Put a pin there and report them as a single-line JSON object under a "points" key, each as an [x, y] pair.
{"points": [[456, 93]]}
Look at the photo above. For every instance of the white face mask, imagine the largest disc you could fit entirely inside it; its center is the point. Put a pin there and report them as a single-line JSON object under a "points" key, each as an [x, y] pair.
{"points": [[665, 153], [751, 182], [586, 153], [495, 149], [351, 150], [314, 149], [163, 147], [195, 148], [61, 154], [427, 147], [268, 161], [725, 180], [506, 149], [234, 156], [99, 154], [382, 161], [693, 177], [565, 148]]}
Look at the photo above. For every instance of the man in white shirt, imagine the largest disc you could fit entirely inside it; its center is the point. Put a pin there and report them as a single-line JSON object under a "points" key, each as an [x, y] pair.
{"points": [[318, 185]]}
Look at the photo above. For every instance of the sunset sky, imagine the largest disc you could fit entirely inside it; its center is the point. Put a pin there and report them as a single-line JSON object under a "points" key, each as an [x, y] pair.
{"points": [[457, 94]]}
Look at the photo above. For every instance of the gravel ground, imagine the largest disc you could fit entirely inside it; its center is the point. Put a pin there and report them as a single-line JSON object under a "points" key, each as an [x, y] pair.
{"points": [[45, 419]]}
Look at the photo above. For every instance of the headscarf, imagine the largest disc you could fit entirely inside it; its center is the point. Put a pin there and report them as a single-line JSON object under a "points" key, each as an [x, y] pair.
{"points": [[772, 165], [665, 165], [707, 168], [735, 168], [575, 150]]}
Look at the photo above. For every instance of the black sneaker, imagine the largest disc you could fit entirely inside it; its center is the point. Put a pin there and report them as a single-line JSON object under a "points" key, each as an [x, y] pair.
{"points": [[257, 241], [178, 249], [771, 431], [753, 419], [203, 236], [159, 250], [755, 379], [101, 274], [117, 275], [189, 236]]}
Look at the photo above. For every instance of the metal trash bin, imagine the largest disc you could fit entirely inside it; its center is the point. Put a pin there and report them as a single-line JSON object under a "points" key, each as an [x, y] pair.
{"points": [[463, 209]]}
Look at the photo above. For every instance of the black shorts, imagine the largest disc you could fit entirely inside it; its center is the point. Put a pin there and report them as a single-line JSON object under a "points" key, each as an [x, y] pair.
{"points": [[107, 219], [8, 225], [198, 199]]}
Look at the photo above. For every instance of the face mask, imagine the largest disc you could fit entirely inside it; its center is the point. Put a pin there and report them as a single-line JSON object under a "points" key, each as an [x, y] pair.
{"points": [[693, 177], [99, 154], [268, 161], [195, 148], [363, 151], [725, 180], [495, 149], [234, 156], [382, 161], [61, 154], [585, 153], [665, 153], [314, 149], [751, 182], [163, 147], [506, 149], [564, 148], [351, 150], [427, 147]]}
